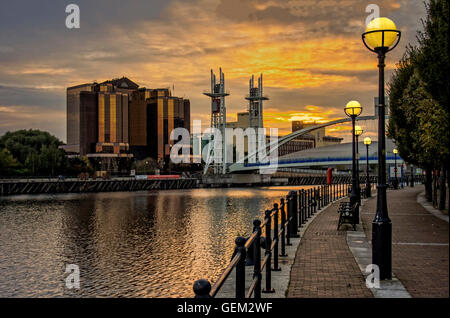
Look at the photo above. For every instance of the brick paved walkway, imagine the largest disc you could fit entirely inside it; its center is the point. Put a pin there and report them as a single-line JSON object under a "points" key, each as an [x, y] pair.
{"points": [[420, 240], [324, 265]]}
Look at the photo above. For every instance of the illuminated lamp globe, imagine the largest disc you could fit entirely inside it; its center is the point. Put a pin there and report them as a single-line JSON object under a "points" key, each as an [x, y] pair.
{"points": [[367, 141], [377, 28], [353, 109], [358, 131], [395, 151]]}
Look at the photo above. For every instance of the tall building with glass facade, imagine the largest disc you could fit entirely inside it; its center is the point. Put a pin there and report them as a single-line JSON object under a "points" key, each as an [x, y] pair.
{"points": [[112, 121], [154, 113], [118, 120], [82, 112]]}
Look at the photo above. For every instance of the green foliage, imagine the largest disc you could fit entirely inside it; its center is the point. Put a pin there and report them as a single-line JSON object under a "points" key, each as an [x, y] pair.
{"points": [[8, 163], [399, 122], [34, 152], [433, 64], [418, 91], [429, 120]]}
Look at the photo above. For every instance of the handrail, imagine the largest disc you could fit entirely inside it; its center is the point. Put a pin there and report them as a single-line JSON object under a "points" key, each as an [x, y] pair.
{"points": [[264, 263], [287, 217], [252, 287], [219, 283], [250, 240]]}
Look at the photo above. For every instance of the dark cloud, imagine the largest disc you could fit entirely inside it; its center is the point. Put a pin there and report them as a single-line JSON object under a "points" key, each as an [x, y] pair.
{"points": [[45, 98], [319, 16], [26, 16]]}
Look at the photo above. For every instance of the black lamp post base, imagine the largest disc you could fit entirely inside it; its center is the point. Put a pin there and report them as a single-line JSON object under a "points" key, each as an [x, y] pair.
{"points": [[268, 291], [382, 248]]}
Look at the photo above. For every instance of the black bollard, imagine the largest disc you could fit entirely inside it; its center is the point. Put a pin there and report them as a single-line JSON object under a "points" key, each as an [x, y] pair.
{"points": [[283, 228], [257, 259], [300, 208], [318, 199], [293, 215], [309, 203], [305, 206], [315, 200], [240, 267], [276, 238], [202, 288], [268, 219], [328, 194], [285, 211], [322, 198]]}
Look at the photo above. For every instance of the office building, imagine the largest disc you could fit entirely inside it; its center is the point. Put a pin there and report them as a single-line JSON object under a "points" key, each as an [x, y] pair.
{"points": [[117, 119], [154, 113], [82, 113]]}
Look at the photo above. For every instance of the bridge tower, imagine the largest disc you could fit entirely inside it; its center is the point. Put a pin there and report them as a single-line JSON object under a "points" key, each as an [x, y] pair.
{"points": [[218, 121], [255, 107]]}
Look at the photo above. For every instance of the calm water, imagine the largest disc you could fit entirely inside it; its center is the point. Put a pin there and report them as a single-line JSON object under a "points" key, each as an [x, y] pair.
{"points": [[139, 244]]}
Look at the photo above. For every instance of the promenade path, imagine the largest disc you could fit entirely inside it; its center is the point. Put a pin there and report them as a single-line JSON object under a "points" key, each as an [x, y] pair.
{"points": [[325, 267], [420, 243]]}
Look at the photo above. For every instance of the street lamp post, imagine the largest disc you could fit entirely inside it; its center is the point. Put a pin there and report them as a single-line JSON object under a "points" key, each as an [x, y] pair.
{"points": [[353, 109], [367, 142], [358, 132], [395, 169], [381, 36]]}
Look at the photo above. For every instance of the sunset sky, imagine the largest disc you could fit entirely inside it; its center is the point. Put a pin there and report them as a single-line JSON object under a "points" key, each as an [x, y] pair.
{"points": [[309, 51]]}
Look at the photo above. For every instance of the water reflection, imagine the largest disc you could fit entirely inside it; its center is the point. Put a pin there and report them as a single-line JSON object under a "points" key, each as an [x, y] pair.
{"points": [[141, 244]]}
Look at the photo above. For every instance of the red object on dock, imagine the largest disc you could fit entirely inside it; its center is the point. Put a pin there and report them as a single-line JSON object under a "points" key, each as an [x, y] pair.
{"points": [[162, 176], [330, 176]]}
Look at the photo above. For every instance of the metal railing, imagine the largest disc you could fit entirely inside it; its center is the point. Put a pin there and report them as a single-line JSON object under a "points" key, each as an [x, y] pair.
{"points": [[281, 223]]}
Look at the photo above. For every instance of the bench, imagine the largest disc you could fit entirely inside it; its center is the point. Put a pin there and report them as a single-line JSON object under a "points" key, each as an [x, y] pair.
{"points": [[347, 214]]}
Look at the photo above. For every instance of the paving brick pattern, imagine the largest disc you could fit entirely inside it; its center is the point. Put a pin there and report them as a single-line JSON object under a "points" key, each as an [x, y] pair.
{"points": [[423, 268], [324, 266]]}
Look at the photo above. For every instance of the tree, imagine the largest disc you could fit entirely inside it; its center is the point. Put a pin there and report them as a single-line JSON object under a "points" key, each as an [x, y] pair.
{"points": [[36, 152], [419, 92], [8, 164], [399, 122], [433, 66]]}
